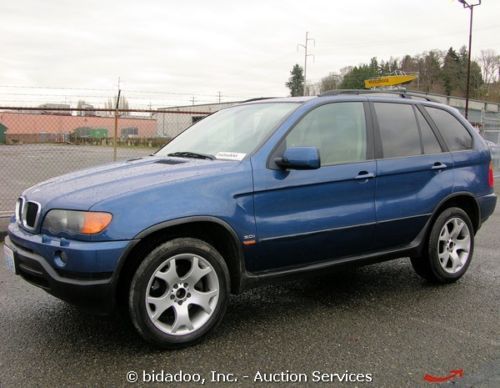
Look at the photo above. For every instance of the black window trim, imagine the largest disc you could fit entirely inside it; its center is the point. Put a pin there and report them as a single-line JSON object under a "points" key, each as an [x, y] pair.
{"points": [[439, 137], [279, 148], [422, 151], [416, 110]]}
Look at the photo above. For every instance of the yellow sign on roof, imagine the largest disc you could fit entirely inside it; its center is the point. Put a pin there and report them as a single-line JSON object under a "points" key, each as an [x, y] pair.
{"points": [[388, 80]]}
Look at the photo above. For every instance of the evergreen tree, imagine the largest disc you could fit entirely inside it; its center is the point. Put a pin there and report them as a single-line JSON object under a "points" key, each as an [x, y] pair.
{"points": [[296, 81], [451, 72]]}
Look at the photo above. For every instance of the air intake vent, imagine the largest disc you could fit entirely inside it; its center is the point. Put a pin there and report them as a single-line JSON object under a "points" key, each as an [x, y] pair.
{"points": [[170, 161]]}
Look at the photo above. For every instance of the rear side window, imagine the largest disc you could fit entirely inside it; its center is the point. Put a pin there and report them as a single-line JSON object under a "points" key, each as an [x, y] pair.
{"points": [[454, 133], [398, 129], [429, 140]]}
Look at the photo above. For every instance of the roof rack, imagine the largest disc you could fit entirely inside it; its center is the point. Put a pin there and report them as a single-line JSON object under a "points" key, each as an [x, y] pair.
{"points": [[400, 93]]}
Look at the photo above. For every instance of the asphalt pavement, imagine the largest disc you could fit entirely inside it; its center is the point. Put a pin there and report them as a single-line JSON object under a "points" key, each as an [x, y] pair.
{"points": [[380, 321]]}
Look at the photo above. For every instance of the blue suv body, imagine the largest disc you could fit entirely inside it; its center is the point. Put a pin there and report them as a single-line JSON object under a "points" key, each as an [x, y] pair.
{"points": [[259, 191]]}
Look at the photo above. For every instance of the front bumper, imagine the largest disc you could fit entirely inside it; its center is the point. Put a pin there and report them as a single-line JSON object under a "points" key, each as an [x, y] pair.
{"points": [[85, 279]]}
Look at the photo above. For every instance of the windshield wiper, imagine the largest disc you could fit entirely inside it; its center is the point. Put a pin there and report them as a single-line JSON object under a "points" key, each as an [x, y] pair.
{"points": [[195, 155]]}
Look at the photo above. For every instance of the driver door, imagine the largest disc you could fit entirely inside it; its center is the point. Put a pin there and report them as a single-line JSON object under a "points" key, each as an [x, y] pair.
{"points": [[312, 216]]}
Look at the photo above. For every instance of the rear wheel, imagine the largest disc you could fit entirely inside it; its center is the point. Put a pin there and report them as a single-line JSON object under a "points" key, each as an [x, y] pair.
{"points": [[179, 293], [449, 249]]}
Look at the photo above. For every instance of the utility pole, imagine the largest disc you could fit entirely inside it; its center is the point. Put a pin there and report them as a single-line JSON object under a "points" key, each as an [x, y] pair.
{"points": [[467, 87], [306, 54], [192, 100], [219, 96], [115, 135]]}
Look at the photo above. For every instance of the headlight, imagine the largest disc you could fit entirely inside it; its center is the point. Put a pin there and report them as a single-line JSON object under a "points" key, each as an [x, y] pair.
{"points": [[75, 222]]}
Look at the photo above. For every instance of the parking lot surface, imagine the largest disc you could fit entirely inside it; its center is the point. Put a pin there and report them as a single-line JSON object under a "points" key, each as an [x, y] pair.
{"points": [[380, 320], [25, 165]]}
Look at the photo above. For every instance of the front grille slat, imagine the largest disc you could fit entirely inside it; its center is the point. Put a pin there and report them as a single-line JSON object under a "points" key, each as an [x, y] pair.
{"points": [[19, 209], [28, 213], [31, 213]]}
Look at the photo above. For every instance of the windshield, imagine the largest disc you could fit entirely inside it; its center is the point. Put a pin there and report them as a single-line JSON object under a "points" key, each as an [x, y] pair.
{"points": [[229, 134]]}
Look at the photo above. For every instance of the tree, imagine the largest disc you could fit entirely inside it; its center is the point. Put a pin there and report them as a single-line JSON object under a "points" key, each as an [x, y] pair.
{"points": [[296, 81], [490, 66], [111, 103], [355, 79], [451, 72], [81, 104], [454, 73], [89, 108], [429, 72], [330, 82], [442, 72]]}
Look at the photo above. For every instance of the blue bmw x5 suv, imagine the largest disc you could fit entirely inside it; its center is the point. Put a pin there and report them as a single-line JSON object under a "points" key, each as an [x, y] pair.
{"points": [[262, 190]]}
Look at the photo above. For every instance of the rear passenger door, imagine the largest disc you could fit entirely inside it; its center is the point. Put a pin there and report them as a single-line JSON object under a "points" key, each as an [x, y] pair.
{"points": [[468, 164], [414, 173]]}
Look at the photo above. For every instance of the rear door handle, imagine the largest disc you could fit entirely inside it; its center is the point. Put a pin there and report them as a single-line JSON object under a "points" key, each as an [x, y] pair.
{"points": [[365, 175], [438, 166]]}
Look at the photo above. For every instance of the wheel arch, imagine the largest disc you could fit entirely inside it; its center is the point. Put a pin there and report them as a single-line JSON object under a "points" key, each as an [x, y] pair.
{"points": [[212, 230], [464, 200]]}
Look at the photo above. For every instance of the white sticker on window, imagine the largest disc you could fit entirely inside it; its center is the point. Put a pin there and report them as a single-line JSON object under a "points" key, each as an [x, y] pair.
{"points": [[230, 155]]}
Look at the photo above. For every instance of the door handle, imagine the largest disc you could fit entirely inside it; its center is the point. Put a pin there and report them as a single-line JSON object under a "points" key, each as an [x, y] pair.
{"points": [[364, 175], [438, 166]]}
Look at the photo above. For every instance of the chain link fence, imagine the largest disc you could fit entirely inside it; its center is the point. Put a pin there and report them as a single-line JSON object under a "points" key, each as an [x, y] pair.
{"points": [[36, 144], [491, 132]]}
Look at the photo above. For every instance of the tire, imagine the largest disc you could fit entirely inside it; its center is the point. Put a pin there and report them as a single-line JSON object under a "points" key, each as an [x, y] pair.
{"points": [[179, 293], [449, 250]]}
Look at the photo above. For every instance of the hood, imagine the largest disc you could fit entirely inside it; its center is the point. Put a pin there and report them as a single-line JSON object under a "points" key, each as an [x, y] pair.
{"points": [[82, 189]]}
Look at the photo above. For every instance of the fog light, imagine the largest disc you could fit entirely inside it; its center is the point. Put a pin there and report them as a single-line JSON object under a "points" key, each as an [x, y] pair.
{"points": [[60, 258]]}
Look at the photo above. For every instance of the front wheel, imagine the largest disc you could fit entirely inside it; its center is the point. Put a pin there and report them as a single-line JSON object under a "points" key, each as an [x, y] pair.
{"points": [[449, 249], [179, 293]]}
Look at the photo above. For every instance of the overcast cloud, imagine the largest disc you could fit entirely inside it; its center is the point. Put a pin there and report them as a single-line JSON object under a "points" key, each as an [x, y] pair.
{"points": [[241, 48]]}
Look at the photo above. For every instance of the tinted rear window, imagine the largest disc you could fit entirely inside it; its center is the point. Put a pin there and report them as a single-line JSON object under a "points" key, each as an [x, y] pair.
{"points": [[454, 133], [398, 129]]}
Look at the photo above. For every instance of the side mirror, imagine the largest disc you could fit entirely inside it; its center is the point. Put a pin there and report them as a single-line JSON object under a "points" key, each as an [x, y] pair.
{"points": [[299, 158]]}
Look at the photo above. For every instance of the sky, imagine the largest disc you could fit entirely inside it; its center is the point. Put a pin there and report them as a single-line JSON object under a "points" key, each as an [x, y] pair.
{"points": [[167, 52]]}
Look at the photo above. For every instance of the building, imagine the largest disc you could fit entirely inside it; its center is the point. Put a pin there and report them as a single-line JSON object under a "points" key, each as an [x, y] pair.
{"points": [[89, 110], [40, 128], [483, 115], [177, 118], [49, 109]]}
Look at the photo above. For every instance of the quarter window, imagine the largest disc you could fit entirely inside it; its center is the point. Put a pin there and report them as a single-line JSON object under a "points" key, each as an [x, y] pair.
{"points": [[398, 130], [337, 130], [454, 133]]}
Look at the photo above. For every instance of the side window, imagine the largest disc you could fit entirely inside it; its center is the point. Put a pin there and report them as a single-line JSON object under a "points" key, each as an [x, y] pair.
{"points": [[398, 129], [429, 140], [338, 130], [454, 133]]}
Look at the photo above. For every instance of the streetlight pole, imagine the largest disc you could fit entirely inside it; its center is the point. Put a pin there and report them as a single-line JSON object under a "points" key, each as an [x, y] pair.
{"points": [[467, 87]]}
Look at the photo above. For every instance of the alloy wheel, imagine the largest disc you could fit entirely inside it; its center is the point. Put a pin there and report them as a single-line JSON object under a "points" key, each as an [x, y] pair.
{"points": [[182, 294]]}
